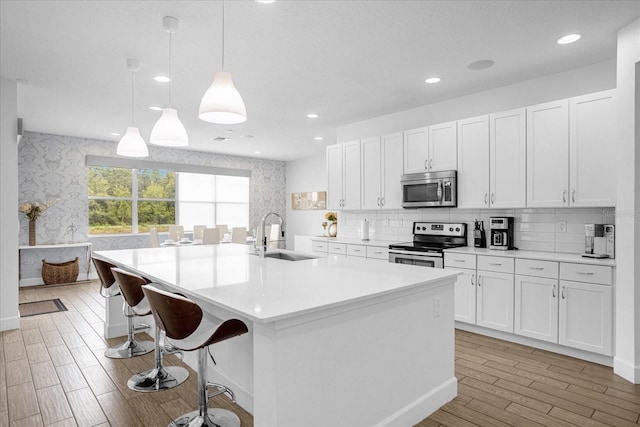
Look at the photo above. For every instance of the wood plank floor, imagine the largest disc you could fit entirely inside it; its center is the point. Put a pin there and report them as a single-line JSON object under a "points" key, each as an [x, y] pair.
{"points": [[53, 373]]}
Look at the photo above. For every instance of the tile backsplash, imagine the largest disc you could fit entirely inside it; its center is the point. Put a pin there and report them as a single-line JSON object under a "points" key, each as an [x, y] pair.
{"points": [[551, 230]]}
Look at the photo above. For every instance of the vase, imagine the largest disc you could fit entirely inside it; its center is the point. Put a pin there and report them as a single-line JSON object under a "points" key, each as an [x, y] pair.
{"points": [[32, 232], [333, 229]]}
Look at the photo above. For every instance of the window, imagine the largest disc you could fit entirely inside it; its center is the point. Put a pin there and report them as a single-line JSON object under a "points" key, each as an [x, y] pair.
{"points": [[131, 200]]}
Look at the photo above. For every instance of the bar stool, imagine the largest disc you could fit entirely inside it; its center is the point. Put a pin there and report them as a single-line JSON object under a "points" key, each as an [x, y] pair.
{"points": [[109, 289], [189, 328], [160, 377]]}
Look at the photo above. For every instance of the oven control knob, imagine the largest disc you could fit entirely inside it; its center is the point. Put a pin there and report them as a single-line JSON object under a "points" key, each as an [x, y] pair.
{"points": [[457, 228], [424, 228], [450, 228]]}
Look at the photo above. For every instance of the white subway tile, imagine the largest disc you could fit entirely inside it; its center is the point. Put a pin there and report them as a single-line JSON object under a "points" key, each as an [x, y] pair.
{"points": [[572, 248], [535, 246]]}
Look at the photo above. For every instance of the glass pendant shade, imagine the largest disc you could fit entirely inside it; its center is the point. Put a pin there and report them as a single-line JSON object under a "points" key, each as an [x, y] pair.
{"points": [[222, 103], [132, 144], [169, 130]]}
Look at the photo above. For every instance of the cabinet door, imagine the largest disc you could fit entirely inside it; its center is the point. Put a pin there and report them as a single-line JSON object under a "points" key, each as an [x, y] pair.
{"points": [[592, 158], [495, 301], [443, 147], [465, 296], [548, 154], [334, 177], [371, 173], [536, 308], [392, 160], [586, 316], [416, 150], [508, 159], [351, 171], [473, 162]]}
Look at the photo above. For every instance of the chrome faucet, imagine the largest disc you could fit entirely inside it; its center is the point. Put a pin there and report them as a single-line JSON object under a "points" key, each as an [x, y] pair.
{"points": [[263, 227]]}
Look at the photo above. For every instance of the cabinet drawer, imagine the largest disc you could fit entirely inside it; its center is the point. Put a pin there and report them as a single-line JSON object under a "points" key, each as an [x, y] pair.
{"points": [[460, 260], [378, 252], [357, 250], [338, 248], [586, 273], [531, 267], [317, 246], [495, 263]]}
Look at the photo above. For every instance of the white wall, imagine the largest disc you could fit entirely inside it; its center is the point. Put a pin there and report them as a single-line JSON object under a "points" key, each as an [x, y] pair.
{"points": [[627, 355], [601, 76], [304, 175], [9, 317]]}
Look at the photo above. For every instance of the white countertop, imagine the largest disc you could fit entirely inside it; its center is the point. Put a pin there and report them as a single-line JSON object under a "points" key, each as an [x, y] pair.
{"points": [[543, 256], [354, 241], [267, 289]]}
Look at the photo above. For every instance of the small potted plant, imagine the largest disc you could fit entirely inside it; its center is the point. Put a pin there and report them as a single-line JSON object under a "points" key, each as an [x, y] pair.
{"points": [[332, 217]]}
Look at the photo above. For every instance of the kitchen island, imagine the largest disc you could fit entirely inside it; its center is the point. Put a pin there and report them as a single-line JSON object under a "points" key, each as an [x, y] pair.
{"points": [[332, 340]]}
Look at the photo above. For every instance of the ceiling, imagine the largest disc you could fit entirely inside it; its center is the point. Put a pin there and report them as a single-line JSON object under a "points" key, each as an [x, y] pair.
{"points": [[344, 60]]}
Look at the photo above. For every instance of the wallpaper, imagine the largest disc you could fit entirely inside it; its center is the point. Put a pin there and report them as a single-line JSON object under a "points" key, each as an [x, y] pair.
{"points": [[52, 167]]}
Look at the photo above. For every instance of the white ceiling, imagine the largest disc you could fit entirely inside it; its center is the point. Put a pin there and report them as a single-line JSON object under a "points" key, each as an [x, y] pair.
{"points": [[344, 60]]}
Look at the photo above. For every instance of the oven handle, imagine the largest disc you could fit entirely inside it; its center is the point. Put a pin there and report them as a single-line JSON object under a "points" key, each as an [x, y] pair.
{"points": [[415, 253]]}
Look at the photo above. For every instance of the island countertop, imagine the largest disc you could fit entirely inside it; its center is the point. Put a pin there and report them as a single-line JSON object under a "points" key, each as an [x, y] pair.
{"points": [[267, 289]]}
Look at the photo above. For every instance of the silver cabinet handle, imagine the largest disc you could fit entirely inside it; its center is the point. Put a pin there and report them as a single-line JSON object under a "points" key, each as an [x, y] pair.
{"points": [[585, 273], [426, 165], [460, 260], [378, 252], [536, 268], [382, 201], [564, 196], [573, 195], [485, 198], [473, 276], [479, 280], [378, 201], [563, 292], [431, 164], [356, 250], [493, 198], [553, 291], [495, 263]]}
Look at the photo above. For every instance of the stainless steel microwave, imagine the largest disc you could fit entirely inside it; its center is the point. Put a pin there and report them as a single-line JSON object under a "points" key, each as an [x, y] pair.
{"points": [[429, 189]]}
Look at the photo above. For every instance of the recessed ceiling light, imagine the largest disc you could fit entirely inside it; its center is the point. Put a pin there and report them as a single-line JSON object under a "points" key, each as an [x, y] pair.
{"points": [[155, 108], [318, 138], [246, 136], [114, 134], [312, 115], [265, 1], [229, 130], [569, 38], [480, 64], [431, 80], [162, 79], [256, 152]]}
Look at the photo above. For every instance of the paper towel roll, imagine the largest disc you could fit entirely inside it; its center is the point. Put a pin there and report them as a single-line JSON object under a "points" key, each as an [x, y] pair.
{"points": [[364, 227]]}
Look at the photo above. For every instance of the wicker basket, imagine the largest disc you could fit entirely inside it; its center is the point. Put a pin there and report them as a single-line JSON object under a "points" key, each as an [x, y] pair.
{"points": [[57, 273]]}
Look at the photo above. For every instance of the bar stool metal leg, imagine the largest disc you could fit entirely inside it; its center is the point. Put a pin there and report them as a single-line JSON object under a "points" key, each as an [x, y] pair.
{"points": [[131, 348], [160, 377], [205, 417]]}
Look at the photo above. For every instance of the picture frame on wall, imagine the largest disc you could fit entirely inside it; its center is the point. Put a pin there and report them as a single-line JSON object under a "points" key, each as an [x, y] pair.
{"points": [[313, 200]]}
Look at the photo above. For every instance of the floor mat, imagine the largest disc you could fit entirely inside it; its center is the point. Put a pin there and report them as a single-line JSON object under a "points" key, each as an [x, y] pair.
{"points": [[41, 307]]}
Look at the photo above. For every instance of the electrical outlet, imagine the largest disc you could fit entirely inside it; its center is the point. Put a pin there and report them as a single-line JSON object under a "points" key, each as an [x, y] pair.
{"points": [[436, 307], [562, 226]]}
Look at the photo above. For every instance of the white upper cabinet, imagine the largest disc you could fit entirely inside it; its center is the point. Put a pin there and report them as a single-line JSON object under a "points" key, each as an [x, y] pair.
{"points": [[548, 154], [592, 152], [432, 148], [382, 166], [473, 162], [343, 176], [508, 159]]}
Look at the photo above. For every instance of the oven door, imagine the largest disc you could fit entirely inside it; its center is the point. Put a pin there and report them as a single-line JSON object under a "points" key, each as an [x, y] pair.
{"points": [[413, 258]]}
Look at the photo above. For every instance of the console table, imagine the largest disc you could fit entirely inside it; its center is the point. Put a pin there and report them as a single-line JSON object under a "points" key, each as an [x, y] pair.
{"points": [[57, 246]]}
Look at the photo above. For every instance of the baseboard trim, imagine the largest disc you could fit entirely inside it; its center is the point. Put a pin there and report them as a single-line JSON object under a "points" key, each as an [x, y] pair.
{"points": [[626, 370], [9, 323], [37, 281]]}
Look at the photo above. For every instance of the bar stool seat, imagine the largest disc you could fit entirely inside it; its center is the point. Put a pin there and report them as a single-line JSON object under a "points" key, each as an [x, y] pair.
{"points": [[109, 289], [189, 328], [159, 377]]}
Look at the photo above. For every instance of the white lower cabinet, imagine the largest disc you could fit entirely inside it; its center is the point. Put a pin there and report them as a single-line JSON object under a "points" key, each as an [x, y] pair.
{"points": [[536, 307], [495, 300], [465, 296], [585, 316]]}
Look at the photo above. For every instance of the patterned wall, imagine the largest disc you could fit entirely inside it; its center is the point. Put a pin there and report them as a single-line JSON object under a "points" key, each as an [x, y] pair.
{"points": [[53, 167]]}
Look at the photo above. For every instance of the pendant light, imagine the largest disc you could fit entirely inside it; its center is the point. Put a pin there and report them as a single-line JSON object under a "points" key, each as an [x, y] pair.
{"points": [[222, 103], [132, 144], [169, 130]]}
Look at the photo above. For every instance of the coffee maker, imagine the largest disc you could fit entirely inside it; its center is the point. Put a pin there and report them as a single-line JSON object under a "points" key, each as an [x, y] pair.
{"points": [[599, 241], [501, 233]]}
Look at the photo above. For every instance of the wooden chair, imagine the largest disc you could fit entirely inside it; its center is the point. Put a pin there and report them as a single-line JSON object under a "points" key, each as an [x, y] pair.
{"points": [[188, 328], [153, 236], [160, 377], [239, 235], [211, 236], [197, 231], [176, 232]]}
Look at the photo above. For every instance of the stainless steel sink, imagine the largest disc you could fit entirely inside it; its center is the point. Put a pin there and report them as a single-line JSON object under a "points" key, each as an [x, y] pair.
{"points": [[288, 256]]}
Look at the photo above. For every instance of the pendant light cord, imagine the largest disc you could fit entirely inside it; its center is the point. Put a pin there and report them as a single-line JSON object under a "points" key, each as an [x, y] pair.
{"points": [[132, 97], [222, 35], [170, 73]]}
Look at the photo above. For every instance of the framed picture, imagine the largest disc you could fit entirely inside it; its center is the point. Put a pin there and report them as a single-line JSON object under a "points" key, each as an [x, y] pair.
{"points": [[316, 200]]}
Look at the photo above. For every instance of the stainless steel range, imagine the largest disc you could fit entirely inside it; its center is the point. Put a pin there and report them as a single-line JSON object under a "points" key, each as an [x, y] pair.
{"points": [[430, 239]]}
